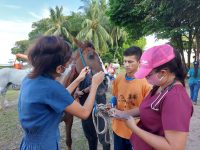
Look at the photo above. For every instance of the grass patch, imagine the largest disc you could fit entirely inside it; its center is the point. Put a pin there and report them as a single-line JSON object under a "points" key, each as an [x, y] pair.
{"points": [[10, 130], [12, 95]]}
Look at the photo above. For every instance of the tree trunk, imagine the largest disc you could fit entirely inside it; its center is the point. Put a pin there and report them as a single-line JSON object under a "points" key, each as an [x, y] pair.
{"points": [[198, 45], [189, 47], [180, 48]]}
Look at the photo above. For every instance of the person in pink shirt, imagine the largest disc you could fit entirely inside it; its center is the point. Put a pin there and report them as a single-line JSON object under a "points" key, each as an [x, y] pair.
{"points": [[166, 112]]}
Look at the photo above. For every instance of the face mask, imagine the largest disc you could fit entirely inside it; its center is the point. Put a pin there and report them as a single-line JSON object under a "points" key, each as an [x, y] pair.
{"points": [[154, 80], [66, 70]]}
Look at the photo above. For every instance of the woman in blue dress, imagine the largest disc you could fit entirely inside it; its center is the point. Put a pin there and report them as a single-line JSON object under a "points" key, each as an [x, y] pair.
{"points": [[43, 100]]}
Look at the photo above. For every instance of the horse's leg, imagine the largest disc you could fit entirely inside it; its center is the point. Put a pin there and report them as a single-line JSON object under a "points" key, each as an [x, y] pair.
{"points": [[104, 139], [4, 102], [90, 133], [68, 119]]}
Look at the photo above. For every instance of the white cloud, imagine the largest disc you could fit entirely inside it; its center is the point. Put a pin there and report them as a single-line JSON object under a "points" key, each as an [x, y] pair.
{"points": [[45, 13], [34, 15], [10, 32], [40, 15], [12, 6]]}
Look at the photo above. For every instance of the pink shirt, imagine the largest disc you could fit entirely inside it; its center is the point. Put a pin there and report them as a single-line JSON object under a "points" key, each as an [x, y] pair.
{"points": [[175, 111]]}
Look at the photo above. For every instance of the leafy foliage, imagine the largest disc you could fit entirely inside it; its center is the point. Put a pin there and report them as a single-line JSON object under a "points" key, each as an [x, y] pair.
{"points": [[93, 27], [171, 19], [20, 46]]}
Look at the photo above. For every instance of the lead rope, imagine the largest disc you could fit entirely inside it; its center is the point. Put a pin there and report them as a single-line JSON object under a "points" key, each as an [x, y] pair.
{"points": [[100, 111]]}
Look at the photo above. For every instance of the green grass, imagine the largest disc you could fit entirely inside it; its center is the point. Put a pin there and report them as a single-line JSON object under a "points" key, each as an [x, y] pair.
{"points": [[12, 95], [10, 130]]}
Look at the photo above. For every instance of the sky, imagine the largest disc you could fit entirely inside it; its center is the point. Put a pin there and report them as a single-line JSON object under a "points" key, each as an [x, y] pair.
{"points": [[17, 16]]}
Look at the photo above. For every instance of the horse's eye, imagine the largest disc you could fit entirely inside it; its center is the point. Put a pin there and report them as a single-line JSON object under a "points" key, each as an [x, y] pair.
{"points": [[90, 56]]}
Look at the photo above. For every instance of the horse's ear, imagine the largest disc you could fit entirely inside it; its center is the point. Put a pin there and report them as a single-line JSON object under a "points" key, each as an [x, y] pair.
{"points": [[78, 43]]}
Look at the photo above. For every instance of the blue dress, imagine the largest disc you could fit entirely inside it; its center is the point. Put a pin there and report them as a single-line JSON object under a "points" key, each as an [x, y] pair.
{"points": [[42, 101]]}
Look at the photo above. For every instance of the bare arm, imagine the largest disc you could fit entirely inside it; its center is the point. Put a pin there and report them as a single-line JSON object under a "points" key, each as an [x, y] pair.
{"points": [[23, 56], [76, 82], [133, 112], [84, 111], [113, 112], [73, 85], [173, 140]]}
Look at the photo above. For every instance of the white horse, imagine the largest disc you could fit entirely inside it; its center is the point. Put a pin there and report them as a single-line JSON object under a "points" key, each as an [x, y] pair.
{"points": [[10, 76], [13, 77]]}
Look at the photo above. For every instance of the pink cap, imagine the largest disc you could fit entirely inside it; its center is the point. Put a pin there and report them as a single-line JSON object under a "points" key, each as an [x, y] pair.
{"points": [[154, 57]]}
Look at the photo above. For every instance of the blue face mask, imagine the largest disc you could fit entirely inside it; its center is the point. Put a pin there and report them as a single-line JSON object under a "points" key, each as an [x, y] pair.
{"points": [[129, 78]]}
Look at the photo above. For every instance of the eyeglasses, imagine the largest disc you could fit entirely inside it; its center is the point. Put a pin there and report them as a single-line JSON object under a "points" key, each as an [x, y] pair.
{"points": [[150, 74]]}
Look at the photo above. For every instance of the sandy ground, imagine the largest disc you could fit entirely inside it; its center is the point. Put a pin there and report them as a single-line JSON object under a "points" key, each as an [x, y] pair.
{"points": [[193, 142]]}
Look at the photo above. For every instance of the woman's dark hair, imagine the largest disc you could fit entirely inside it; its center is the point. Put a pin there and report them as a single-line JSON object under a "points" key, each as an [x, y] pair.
{"points": [[46, 54], [134, 50], [196, 66], [174, 66]]}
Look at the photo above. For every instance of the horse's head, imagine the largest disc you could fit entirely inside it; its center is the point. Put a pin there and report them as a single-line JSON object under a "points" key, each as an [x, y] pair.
{"points": [[87, 56]]}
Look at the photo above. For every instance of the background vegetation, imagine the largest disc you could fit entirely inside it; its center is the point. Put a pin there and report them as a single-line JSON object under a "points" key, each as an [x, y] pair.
{"points": [[115, 25]]}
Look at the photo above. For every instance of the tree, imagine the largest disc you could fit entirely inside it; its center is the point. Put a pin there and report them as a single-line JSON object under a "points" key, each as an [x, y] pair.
{"points": [[128, 16], [93, 28], [20, 47], [39, 28], [57, 22], [167, 19], [118, 34], [75, 19]]}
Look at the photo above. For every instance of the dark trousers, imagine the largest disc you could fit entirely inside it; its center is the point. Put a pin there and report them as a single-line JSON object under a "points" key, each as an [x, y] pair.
{"points": [[121, 143], [89, 129], [91, 135]]}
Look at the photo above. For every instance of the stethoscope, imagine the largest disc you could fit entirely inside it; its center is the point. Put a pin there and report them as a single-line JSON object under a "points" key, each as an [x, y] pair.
{"points": [[156, 102]]}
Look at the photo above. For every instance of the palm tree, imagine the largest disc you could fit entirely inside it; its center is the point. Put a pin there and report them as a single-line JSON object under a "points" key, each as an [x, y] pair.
{"points": [[58, 23], [93, 27], [118, 34]]}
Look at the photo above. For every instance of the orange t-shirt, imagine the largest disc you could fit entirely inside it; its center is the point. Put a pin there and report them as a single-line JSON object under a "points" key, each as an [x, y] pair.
{"points": [[129, 95]]}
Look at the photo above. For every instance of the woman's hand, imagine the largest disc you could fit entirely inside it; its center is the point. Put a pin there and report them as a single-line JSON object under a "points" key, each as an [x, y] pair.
{"points": [[115, 113], [131, 123], [78, 93], [98, 78], [83, 73]]}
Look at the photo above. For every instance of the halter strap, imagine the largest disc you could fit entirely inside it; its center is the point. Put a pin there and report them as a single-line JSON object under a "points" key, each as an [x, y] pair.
{"points": [[83, 61]]}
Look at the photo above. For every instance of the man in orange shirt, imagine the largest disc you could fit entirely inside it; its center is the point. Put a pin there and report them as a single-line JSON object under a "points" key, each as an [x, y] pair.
{"points": [[129, 93]]}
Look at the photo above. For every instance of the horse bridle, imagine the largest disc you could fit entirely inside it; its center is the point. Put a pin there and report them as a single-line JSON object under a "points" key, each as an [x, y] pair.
{"points": [[98, 110], [83, 61]]}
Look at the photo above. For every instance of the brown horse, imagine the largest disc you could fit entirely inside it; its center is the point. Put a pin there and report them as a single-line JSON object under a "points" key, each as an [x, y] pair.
{"points": [[86, 55]]}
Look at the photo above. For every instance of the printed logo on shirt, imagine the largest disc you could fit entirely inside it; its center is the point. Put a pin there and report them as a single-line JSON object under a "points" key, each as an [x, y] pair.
{"points": [[127, 102]]}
